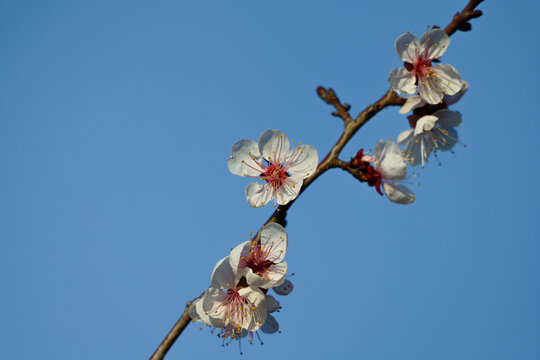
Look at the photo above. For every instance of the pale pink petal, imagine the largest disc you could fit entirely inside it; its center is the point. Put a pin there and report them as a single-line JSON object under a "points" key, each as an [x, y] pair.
{"points": [[407, 47], [448, 118], [412, 102], [271, 325], [274, 145], [434, 43], [259, 194], [197, 312], [256, 315], [222, 276], [210, 307], [425, 123], [389, 161], [289, 190], [429, 90], [452, 99], [448, 79], [274, 240], [274, 277], [398, 193], [245, 159], [236, 254], [404, 136], [302, 161], [284, 289], [402, 81]]}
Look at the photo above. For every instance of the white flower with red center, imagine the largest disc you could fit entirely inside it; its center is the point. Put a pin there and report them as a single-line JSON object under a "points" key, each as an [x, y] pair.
{"points": [[431, 132], [228, 305], [414, 102], [272, 160], [389, 163], [419, 75], [261, 262]]}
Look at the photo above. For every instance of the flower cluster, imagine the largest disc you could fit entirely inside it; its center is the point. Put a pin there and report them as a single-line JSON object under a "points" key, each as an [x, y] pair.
{"points": [[237, 301], [272, 160], [431, 90]]}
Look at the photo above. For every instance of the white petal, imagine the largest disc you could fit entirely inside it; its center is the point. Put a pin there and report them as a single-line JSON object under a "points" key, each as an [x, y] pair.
{"points": [[272, 304], [289, 190], [434, 42], [258, 194], [302, 161], [257, 308], [425, 123], [222, 275], [245, 159], [274, 146], [211, 309], [389, 160], [275, 276], [448, 118], [274, 237], [412, 102], [417, 153], [452, 99], [446, 140], [234, 257], [197, 310], [448, 79], [407, 47], [398, 193], [271, 325], [284, 289], [193, 310], [429, 90], [404, 137], [402, 81]]}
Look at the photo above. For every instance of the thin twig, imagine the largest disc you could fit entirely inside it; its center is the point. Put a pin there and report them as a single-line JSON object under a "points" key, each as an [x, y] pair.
{"points": [[459, 22], [330, 97]]}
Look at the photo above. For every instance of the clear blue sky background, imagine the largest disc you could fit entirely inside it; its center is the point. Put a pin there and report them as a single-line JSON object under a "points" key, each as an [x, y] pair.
{"points": [[116, 121]]}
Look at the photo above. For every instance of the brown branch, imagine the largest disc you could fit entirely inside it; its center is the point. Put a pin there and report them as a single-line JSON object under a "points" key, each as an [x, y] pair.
{"points": [[459, 22], [330, 97], [351, 170], [175, 332]]}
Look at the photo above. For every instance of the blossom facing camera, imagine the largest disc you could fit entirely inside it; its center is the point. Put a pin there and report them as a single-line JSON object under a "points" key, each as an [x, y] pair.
{"points": [[431, 132], [261, 262], [228, 305], [281, 169], [419, 75]]}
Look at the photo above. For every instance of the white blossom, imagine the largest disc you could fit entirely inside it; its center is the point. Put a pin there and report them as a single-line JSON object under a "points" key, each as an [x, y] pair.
{"points": [[431, 132], [389, 163], [272, 160], [418, 75], [261, 262]]}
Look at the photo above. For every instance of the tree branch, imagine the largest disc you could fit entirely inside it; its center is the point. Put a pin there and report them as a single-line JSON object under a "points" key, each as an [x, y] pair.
{"points": [[459, 22]]}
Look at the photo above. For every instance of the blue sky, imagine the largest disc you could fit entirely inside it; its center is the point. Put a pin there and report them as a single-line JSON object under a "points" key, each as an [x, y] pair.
{"points": [[116, 121]]}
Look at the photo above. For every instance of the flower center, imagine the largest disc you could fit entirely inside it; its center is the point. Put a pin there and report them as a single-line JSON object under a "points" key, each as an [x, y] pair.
{"points": [[257, 260], [422, 69], [275, 175]]}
